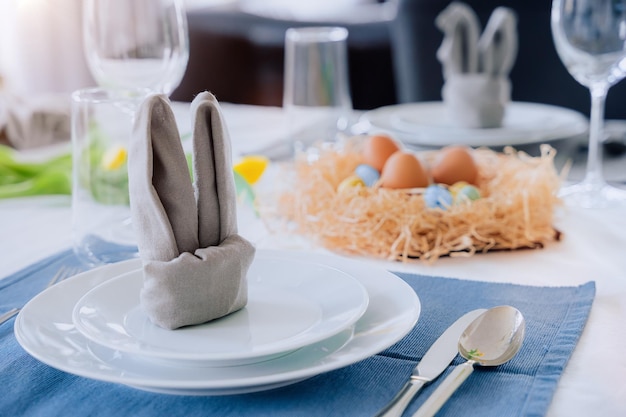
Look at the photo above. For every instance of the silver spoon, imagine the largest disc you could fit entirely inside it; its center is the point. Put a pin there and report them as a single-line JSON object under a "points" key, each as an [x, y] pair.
{"points": [[492, 339]]}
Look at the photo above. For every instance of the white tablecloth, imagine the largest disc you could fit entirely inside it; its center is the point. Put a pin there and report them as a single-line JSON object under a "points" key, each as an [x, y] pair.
{"points": [[593, 248]]}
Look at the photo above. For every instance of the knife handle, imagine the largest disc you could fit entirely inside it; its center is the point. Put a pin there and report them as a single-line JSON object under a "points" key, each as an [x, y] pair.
{"points": [[445, 390], [398, 404]]}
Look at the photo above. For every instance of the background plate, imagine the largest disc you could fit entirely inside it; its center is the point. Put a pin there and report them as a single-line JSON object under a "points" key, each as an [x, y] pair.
{"points": [[428, 124]]}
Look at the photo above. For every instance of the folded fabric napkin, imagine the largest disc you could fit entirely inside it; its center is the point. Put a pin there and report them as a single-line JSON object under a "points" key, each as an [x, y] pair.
{"points": [[476, 86], [555, 317], [195, 263], [29, 122]]}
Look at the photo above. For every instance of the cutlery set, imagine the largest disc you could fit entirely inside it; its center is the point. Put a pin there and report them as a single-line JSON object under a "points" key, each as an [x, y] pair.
{"points": [[485, 337]]}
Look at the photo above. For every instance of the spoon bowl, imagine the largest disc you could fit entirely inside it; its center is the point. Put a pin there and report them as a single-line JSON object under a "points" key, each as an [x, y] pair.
{"points": [[492, 339]]}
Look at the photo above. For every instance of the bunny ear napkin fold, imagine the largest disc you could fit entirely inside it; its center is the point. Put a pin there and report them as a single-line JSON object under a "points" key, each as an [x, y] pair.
{"points": [[194, 262], [476, 66]]}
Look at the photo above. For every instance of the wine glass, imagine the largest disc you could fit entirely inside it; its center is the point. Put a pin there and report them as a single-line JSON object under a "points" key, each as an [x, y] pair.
{"points": [[136, 43], [590, 38]]}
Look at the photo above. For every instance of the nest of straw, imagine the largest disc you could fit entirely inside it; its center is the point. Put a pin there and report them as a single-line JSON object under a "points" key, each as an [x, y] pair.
{"points": [[516, 209]]}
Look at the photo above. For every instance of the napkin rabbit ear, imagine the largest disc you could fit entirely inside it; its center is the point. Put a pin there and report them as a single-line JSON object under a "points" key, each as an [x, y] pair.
{"points": [[160, 185], [458, 52], [498, 43], [214, 182]]}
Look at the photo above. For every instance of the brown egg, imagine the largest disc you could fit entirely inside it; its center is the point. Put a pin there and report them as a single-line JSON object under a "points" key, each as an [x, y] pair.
{"points": [[403, 170], [378, 149], [455, 164]]}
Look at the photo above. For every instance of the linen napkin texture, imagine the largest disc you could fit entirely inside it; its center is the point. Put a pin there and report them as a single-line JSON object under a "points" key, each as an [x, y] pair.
{"points": [[476, 66], [194, 262], [30, 122], [555, 318]]}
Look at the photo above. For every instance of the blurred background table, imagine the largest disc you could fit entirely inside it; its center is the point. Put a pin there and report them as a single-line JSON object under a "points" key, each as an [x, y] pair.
{"points": [[237, 51]]}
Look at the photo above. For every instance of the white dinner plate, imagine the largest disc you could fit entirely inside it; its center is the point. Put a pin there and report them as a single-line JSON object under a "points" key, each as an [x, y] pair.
{"points": [[428, 124], [44, 328], [291, 304]]}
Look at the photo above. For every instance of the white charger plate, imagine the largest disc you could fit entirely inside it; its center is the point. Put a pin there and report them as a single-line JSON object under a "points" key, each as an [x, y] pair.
{"points": [[428, 124], [44, 328], [291, 304]]}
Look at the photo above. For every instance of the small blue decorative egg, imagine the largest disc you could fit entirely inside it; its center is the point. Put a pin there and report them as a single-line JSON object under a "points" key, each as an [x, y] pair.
{"points": [[368, 174], [437, 196]]}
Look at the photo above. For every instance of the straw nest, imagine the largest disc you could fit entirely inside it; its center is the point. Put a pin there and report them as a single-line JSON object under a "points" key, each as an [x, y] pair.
{"points": [[516, 209]]}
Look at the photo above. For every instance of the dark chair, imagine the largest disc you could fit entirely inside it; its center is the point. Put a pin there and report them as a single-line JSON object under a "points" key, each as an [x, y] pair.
{"points": [[538, 74]]}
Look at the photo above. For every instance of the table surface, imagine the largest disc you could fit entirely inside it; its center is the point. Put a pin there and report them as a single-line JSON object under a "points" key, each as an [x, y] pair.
{"points": [[593, 248]]}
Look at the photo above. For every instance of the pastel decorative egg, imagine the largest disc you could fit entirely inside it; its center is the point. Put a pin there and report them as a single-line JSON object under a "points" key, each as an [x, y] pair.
{"points": [[350, 182], [455, 164], [467, 194], [403, 170], [437, 196], [456, 187], [368, 174], [377, 150]]}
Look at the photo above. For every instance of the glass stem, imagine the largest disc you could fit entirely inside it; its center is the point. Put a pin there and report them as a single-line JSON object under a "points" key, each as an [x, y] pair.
{"points": [[594, 177]]}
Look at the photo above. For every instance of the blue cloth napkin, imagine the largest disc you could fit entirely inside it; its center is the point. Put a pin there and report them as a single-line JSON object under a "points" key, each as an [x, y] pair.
{"points": [[555, 318]]}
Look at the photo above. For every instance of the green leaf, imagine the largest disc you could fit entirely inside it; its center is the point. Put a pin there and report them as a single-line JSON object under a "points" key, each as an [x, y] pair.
{"points": [[48, 182], [18, 179]]}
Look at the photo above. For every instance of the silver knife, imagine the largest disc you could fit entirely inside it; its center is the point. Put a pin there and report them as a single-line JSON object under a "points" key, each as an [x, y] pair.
{"points": [[434, 362]]}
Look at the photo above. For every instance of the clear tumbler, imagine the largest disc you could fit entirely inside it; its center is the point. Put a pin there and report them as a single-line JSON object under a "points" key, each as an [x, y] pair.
{"points": [[102, 123], [316, 96]]}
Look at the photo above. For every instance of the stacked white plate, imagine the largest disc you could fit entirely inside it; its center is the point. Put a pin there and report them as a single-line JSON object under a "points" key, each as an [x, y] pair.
{"points": [[307, 314]]}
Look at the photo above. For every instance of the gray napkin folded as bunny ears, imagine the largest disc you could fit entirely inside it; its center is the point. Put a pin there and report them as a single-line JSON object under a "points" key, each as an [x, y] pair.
{"points": [[194, 262], [476, 66]]}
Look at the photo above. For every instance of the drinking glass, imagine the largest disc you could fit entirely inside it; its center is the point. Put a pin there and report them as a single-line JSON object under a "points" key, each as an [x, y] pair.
{"points": [[590, 36], [102, 230], [316, 96], [136, 43]]}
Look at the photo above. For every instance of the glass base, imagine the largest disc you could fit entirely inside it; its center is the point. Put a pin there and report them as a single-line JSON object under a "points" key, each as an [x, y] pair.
{"points": [[592, 195], [94, 251]]}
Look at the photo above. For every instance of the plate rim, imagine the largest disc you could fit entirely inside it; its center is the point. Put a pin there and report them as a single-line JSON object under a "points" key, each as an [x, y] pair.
{"points": [[398, 328], [578, 125], [232, 357]]}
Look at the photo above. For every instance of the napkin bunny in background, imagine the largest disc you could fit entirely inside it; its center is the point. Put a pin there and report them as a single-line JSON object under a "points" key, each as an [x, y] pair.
{"points": [[31, 122], [477, 89], [194, 262]]}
